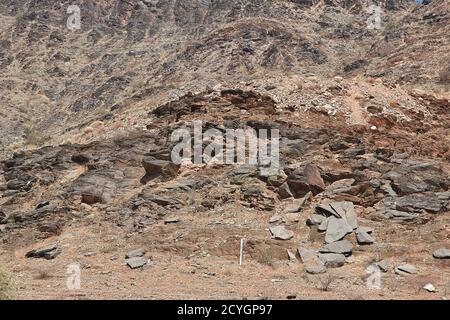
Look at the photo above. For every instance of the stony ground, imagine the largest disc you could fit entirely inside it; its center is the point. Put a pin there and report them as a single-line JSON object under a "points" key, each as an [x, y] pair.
{"points": [[364, 173]]}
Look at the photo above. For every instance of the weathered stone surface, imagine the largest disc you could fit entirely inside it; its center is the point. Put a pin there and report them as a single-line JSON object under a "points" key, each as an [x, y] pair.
{"points": [[337, 229], [383, 265], [284, 191], [281, 233], [344, 246], [155, 168], [49, 252], [418, 202], [306, 254], [406, 269], [323, 225], [368, 230], [342, 209], [97, 187], [442, 253], [400, 215], [298, 204], [364, 238], [171, 220], [315, 219], [291, 256], [135, 253], [315, 268], [136, 262], [332, 260], [304, 180]]}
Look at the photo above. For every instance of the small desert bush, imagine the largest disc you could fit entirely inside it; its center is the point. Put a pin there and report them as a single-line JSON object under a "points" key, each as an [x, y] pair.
{"points": [[33, 137], [325, 282], [266, 258], [5, 284]]}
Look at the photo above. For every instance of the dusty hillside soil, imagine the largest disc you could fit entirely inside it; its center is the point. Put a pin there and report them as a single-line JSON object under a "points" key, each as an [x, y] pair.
{"points": [[87, 116]]}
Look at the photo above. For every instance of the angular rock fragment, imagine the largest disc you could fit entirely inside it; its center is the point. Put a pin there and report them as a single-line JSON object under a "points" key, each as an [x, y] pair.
{"points": [[136, 262], [400, 215], [171, 220], [418, 202], [323, 226], [135, 253], [155, 168], [364, 238], [383, 265], [344, 247], [281, 233], [298, 204], [332, 260], [429, 287], [337, 229], [305, 180], [442, 253], [284, 191], [406, 269], [315, 219], [342, 209], [306, 254], [50, 252], [291, 256]]}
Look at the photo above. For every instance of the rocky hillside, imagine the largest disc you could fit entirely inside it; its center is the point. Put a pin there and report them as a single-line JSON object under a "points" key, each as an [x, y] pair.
{"points": [[130, 56], [364, 123]]}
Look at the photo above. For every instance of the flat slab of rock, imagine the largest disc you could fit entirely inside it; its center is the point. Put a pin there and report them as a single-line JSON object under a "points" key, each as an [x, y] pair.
{"points": [[332, 260], [281, 233], [135, 253], [442, 253], [298, 204], [136, 262], [337, 229], [406, 269], [50, 252], [172, 220], [306, 254], [343, 209], [364, 238], [383, 265], [344, 247]]}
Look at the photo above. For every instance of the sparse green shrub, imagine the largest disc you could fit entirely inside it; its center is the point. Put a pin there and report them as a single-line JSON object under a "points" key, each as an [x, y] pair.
{"points": [[5, 285], [33, 137]]}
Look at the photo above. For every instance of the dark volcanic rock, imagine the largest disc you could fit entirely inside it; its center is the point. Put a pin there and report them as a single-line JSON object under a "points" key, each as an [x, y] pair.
{"points": [[49, 252]]}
